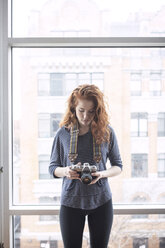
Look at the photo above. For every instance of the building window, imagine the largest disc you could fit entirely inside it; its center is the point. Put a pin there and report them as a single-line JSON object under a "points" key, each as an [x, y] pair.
{"points": [[48, 244], [161, 165], [161, 242], [135, 84], [54, 123], [44, 125], [17, 230], [155, 84], [43, 167], [62, 84], [139, 124], [57, 84], [48, 124], [140, 242], [139, 165], [161, 124], [43, 84]]}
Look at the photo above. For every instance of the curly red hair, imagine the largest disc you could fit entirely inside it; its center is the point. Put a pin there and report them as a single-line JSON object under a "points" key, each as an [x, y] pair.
{"points": [[99, 125]]}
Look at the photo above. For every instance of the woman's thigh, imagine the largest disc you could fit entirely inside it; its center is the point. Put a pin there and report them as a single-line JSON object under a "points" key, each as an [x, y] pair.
{"points": [[72, 225], [100, 223]]}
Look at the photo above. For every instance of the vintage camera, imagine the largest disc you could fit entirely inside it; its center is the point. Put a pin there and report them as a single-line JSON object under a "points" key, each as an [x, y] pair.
{"points": [[85, 171]]}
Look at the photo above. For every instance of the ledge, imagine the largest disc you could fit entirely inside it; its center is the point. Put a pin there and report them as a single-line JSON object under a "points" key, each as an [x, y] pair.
{"points": [[119, 209]]}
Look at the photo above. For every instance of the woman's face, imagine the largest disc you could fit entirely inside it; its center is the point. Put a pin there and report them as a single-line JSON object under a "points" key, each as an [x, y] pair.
{"points": [[85, 112]]}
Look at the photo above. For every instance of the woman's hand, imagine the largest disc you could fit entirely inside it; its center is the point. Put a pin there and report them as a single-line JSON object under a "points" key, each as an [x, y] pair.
{"points": [[111, 172], [71, 174], [98, 175]]}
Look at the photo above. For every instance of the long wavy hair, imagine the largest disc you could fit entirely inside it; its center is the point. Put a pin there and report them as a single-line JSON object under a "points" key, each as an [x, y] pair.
{"points": [[99, 125]]}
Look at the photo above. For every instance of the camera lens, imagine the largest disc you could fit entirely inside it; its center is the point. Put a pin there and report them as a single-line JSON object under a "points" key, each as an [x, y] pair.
{"points": [[86, 178]]}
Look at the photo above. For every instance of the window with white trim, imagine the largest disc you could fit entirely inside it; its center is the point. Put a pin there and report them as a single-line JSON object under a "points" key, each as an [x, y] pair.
{"points": [[24, 94], [139, 124]]}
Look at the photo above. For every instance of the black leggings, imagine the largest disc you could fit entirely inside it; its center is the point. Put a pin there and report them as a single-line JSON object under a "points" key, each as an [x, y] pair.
{"points": [[72, 222]]}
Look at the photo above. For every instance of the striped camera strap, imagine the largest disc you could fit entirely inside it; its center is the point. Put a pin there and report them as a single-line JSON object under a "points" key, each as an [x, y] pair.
{"points": [[74, 131]]}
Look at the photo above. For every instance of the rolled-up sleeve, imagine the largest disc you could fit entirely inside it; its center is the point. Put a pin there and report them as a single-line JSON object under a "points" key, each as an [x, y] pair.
{"points": [[55, 158], [114, 153]]}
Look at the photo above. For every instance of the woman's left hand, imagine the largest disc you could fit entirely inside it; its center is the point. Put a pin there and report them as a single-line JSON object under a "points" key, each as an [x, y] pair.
{"points": [[98, 175]]}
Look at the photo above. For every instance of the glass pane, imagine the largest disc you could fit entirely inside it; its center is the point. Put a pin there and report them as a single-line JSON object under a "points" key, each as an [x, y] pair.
{"points": [[161, 124], [40, 232], [36, 118], [43, 85], [143, 127], [63, 18], [161, 165], [134, 127], [44, 231]]}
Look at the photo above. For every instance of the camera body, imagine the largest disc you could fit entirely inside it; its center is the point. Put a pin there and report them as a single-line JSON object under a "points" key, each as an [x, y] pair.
{"points": [[85, 171]]}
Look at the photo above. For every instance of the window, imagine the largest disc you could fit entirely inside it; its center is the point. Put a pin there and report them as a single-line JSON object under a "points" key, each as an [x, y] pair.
{"points": [[17, 230], [54, 123], [135, 84], [140, 243], [139, 165], [57, 87], [43, 166], [161, 165], [161, 242], [61, 84], [48, 124], [44, 125], [114, 48], [155, 84], [139, 125], [161, 124], [43, 84], [49, 244]]}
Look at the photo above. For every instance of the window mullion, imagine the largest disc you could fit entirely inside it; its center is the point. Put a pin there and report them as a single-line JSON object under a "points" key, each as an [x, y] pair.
{"points": [[99, 42], [119, 209]]}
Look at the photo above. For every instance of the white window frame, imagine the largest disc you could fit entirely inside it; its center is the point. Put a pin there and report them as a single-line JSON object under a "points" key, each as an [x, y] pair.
{"points": [[6, 45]]}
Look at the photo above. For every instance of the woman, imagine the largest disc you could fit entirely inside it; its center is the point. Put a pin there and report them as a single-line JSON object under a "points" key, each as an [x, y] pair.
{"points": [[83, 140]]}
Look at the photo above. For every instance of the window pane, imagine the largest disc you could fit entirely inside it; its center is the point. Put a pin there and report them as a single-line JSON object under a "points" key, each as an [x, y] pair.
{"points": [[161, 165], [39, 231], [140, 243], [88, 18], [38, 109], [134, 127], [161, 242], [44, 125], [55, 120], [161, 124], [155, 87], [43, 166], [139, 125], [143, 127], [135, 84], [139, 165], [57, 87]]}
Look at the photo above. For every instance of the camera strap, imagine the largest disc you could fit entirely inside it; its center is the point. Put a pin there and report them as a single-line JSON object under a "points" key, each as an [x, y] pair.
{"points": [[74, 131]]}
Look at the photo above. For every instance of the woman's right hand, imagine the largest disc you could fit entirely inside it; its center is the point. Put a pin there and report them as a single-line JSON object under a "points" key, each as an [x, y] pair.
{"points": [[71, 174]]}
